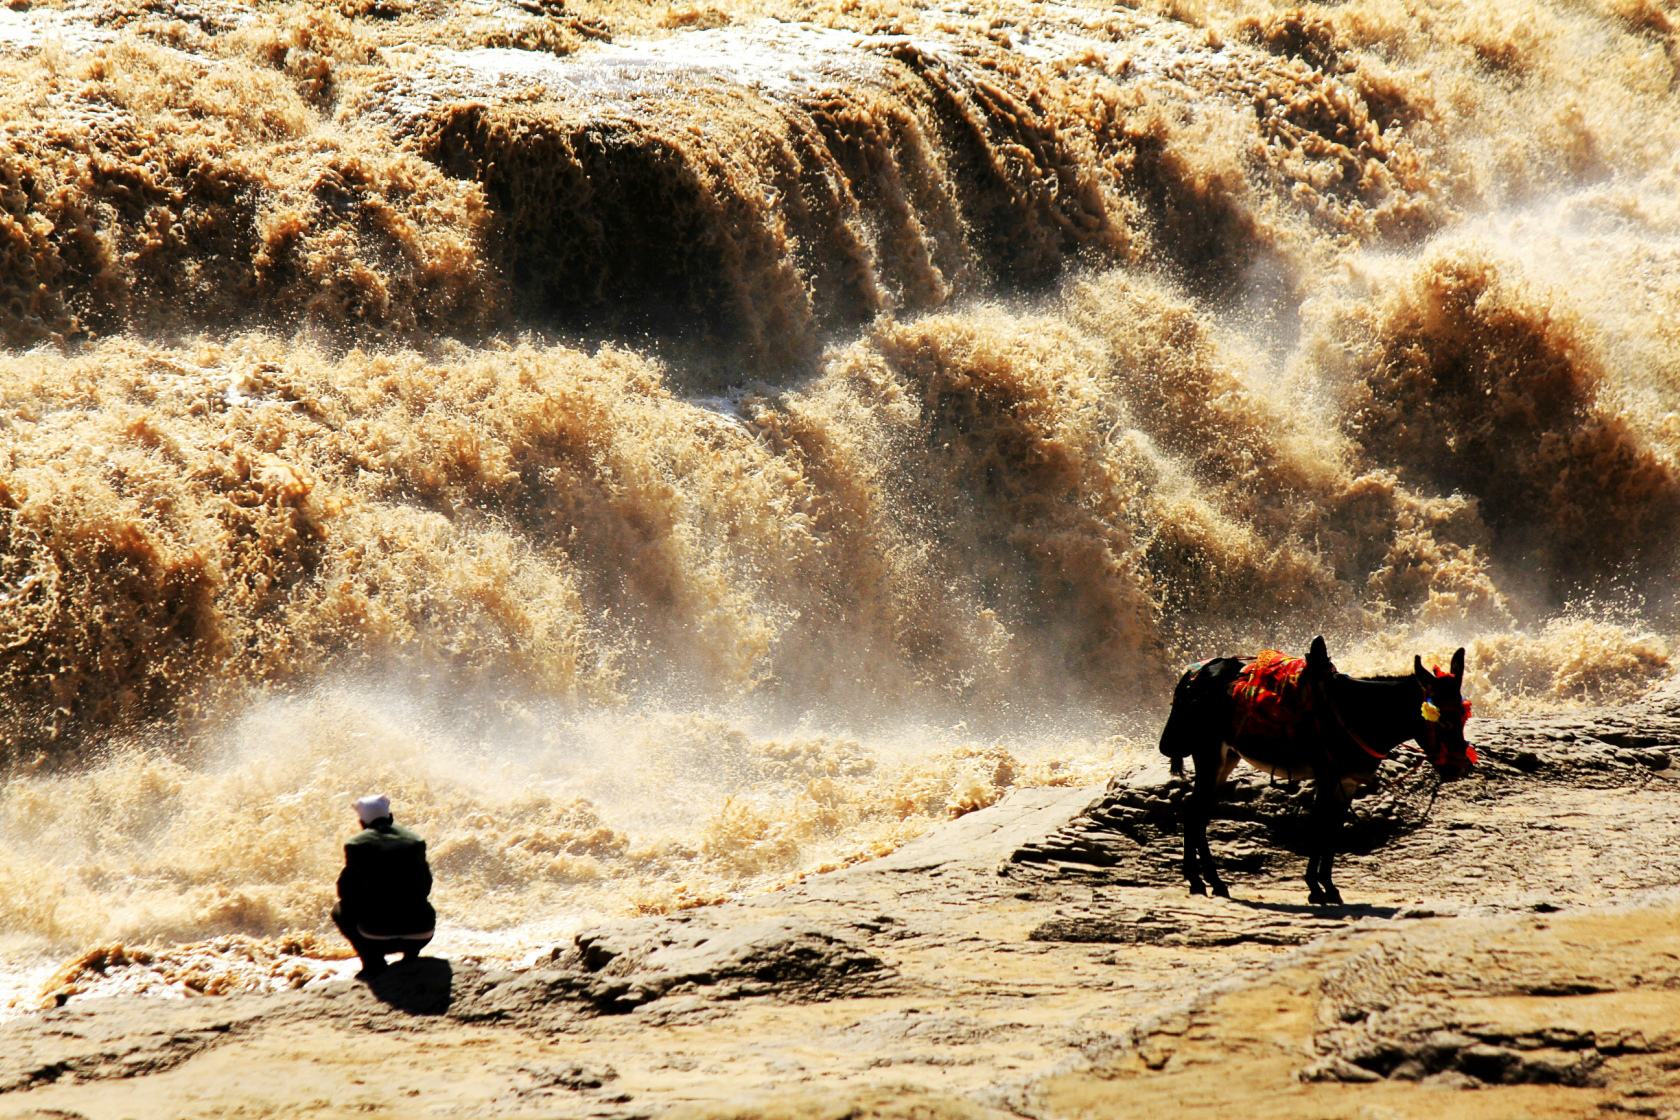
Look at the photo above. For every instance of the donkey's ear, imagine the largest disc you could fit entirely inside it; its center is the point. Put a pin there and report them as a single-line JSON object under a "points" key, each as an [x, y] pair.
{"points": [[1424, 676], [1458, 663], [1318, 656]]}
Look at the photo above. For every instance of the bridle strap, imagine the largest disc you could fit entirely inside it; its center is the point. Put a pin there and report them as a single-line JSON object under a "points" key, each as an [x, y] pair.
{"points": [[1432, 749]]}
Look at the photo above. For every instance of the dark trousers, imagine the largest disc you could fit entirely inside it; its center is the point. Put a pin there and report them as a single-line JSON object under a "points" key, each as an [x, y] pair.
{"points": [[373, 951]]}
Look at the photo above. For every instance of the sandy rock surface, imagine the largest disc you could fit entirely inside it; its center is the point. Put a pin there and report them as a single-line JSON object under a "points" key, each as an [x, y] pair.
{"points": [[1512, 949]]}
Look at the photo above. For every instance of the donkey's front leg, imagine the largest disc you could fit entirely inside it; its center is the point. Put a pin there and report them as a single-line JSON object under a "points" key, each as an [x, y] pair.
{"points": [[1328, 810]]}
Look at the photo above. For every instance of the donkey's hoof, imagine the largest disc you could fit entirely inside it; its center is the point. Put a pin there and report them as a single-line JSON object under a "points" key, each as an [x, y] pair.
{"points": [[1332, 897], [1198, 888], [1220, 890], [1315, 897]]}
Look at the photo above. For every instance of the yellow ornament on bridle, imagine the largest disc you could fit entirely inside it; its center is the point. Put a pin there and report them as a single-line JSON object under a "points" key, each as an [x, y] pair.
{"points": [[1431, 713]]}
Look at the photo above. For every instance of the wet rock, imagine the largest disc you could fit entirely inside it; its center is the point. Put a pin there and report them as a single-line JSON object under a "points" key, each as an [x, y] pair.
{"points": [[575, 1078], [685, 967], [107, 1040], [620, 968], [1494, 1065], [1338, 1069], [1434, 1053], [1630, 738], [1189, 930]]}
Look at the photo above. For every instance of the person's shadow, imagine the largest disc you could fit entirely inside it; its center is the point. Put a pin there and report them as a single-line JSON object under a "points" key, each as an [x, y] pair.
{"points": [[423, 986]]}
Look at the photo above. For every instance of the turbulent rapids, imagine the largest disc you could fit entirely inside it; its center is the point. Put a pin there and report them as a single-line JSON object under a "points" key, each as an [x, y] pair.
{"points": [[672, 448]]}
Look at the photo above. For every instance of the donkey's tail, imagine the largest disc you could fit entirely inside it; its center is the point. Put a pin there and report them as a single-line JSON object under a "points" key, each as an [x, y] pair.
{"points": [[1178, 741]]}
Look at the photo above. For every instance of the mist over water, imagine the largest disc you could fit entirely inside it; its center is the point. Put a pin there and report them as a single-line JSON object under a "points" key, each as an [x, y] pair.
{"points": [[670, 451]]}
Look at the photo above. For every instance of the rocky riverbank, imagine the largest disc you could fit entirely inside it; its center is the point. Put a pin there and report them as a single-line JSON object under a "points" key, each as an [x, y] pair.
{"points": [[1512, 949]]}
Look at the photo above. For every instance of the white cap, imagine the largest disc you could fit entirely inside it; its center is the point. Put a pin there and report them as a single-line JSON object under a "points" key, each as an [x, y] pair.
{"points": [[372, 807]]}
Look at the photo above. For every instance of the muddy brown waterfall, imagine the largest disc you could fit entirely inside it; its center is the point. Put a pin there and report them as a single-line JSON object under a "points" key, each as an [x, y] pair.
{"points": [[724, 440]]}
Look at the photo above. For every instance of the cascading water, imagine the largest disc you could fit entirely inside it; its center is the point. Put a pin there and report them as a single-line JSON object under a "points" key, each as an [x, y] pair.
{"points": [[672, 452]]}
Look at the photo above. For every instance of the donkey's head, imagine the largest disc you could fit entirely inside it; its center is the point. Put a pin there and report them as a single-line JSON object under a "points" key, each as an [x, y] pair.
{"points": [[1441, 717]]}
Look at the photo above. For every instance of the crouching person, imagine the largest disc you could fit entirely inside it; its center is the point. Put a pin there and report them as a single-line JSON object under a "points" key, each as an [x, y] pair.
{"points": [[382, 907]]}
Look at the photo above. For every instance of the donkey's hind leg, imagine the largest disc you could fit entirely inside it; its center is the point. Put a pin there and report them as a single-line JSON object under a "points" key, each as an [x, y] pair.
{"points": [[1212, 767], [1193, 823]]}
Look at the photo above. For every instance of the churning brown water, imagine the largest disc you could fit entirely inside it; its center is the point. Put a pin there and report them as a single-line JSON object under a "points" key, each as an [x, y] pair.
{"points": [[669, 448]]}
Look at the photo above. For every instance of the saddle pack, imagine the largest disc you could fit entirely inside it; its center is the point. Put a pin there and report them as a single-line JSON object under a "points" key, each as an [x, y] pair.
{"points": [[1271, 697]]}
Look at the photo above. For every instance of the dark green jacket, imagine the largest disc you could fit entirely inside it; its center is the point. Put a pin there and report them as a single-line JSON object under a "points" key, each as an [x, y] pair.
{"points": [[385, 881]]}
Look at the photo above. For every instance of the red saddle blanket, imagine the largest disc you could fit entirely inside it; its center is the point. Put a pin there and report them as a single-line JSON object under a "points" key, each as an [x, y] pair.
{"points": [[1271, 698]]}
